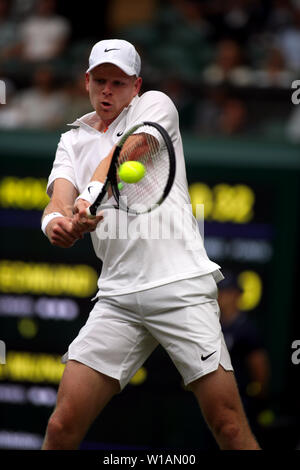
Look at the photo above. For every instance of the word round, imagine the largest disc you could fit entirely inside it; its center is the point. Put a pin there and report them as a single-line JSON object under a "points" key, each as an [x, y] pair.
{"points": [[131, 172]]}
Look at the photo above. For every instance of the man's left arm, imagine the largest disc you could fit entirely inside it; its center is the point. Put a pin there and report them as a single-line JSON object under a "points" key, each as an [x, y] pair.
{"points": [[136, 145]]}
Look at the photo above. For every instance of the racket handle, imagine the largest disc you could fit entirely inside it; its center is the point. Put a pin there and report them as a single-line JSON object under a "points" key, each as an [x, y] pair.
{"points": [[88, 213]]}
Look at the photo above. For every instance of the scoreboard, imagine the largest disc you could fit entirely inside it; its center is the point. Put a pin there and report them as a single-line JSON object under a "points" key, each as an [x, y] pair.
{"points": [[250, 193]]}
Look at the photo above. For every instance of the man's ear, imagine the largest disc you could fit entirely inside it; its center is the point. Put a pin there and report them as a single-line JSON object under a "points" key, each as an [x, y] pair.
{"points": [[87, 81], [138, 85]]}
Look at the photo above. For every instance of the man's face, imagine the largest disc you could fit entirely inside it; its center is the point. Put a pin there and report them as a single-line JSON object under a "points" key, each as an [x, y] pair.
{"points": [[111, 90]]}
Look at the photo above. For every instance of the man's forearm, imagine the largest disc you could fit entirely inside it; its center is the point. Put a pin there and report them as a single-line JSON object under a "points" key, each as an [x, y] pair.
{"points": [[63, 197], [135, 146], [58, 206]]}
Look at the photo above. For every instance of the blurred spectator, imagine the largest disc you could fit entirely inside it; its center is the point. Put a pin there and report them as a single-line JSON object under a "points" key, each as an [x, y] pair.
{"points": [[44, 34], [288, 41], [184, 101], [281, 15], [229, 66], [39, 107], [237, 19], [207, 119], [120, 16], [7, 111], [191, 12], [184, 47], [248, 354], [78, 102], [293, 126], [274, 72], [174, 39], [23, 8], [220, 113], [8, 31], [233, 118]]}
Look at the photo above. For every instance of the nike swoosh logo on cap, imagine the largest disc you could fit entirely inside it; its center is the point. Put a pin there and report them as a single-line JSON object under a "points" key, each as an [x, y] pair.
{"points": [[113, 49]]}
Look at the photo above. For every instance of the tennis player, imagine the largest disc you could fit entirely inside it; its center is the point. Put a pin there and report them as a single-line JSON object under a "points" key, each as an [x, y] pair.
{"points": [[151, 291]]}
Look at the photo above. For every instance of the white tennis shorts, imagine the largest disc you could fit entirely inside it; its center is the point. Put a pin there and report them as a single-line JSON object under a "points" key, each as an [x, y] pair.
{"points": [[122, 331]]}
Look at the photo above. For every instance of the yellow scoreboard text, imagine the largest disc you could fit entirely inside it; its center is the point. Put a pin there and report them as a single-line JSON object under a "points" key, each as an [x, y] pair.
{"points": [[21, 277], [224, 202]]}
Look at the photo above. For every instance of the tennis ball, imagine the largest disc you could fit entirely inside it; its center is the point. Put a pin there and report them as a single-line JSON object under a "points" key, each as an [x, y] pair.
{"points": [[131, 172]]}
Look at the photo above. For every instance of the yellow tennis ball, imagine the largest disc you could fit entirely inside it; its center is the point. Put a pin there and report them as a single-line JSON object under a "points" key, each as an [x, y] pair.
{"points": [[131, 172]]}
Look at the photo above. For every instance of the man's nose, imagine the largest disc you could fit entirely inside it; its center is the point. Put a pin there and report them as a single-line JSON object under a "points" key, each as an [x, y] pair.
{"points": [[107, 89]]}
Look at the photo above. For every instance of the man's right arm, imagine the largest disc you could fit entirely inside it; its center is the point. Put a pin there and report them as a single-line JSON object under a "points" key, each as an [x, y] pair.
{"points": [[60, 230]]}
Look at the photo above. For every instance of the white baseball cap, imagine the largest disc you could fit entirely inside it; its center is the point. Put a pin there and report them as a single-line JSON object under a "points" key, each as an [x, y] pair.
{"points": [[118, 52]]}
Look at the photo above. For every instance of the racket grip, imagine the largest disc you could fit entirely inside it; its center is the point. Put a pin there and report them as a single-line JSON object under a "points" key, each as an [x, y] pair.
{"points": [[88, 213]]}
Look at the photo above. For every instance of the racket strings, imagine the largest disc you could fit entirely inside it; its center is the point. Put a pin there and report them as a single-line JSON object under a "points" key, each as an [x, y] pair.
{"points": [[157, 166], [151, 151]]}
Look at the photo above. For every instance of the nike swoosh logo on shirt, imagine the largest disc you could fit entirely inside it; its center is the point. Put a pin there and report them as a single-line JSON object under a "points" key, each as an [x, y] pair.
{"points": [[119, 134], [206, 357]]}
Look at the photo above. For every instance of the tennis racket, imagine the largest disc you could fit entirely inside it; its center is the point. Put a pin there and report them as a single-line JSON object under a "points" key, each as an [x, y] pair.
{"points": [[150, 144]]}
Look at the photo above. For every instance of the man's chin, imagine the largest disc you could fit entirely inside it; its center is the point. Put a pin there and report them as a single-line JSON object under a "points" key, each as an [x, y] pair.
{"points": [[107, 115]]}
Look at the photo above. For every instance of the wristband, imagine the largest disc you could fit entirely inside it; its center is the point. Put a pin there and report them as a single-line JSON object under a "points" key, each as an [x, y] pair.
{"points": [[91, 192], [47, 219]]}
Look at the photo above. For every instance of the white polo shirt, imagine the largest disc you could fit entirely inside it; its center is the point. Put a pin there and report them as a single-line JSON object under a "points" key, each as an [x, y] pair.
{"points": [[137, 252]]}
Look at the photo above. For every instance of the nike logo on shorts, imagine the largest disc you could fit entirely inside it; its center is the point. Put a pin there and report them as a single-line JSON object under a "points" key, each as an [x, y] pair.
{"points": [[206, 357]]}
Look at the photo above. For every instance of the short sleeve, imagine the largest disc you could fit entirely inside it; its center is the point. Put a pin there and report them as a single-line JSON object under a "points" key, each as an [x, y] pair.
{"points": [[62, 166], [156, 106]]}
